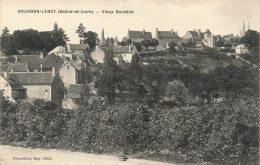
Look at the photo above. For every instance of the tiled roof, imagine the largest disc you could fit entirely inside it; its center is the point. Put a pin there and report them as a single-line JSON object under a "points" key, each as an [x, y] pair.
{"points": [[56, 50], [33, 61], [121, 49], [78, 46], [167, 34], [140, 34], [76, 89], [17, 67], [194, 34], [32, 78], [52, 60]]}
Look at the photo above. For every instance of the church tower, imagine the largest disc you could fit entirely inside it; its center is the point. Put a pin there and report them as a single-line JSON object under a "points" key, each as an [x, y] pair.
{"points": [[103, 42], [243, 31]]}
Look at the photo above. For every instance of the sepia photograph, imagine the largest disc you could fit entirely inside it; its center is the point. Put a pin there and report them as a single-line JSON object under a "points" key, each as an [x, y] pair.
{"points": [[120, 82]]}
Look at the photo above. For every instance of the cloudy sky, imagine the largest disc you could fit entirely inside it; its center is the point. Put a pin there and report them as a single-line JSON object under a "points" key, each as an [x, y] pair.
{"points": [[219, 16]]}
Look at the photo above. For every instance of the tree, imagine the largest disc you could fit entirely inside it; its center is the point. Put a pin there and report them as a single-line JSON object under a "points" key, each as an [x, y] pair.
{"points": [[220, 43], [172, 48], [107, 79], [59, 36], [128, 42], [90, 38], [138, 46], [7, 42], [81, 31], [146, 43], [251, 40], [154, 43]]}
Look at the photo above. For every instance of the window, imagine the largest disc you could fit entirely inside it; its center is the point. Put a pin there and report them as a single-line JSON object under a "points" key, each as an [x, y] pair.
{"points": [[68, 67], [6, 84], [46, 90]]}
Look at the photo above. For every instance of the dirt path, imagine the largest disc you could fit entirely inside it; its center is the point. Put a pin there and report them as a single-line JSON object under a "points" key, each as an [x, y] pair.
{"points": [[9, 156]]}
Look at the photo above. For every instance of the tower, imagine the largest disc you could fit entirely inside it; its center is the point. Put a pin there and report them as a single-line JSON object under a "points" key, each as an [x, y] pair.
{"points": [[248, 26], [243, 31], [103, 40]]}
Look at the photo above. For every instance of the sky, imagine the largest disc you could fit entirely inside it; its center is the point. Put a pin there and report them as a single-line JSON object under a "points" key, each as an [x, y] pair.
{"points": [[219, 16]]}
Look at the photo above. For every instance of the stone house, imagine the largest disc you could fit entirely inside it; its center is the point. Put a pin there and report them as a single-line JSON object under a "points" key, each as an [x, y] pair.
{"points": [[165, 37], [138, 36]]}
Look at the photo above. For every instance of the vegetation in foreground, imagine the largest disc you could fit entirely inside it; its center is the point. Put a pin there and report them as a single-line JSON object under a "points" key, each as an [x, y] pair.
{"points": [[223, 133]]}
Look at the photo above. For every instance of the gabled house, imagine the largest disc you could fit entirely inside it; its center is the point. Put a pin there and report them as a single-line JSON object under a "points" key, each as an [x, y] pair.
{"points": [[165, 37], [77, 49], [98, 54], [71, 73], [40, 85], [61, 52], [11, 89], [192, 36], [124, 54], [50, 61], [138, 36], [75, 92]]}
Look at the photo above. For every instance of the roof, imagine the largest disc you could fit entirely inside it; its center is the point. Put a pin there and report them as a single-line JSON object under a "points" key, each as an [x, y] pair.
{"points": [[33, 61], [124, 39], [17, 67], [194, 34], [13, 84], [78, 46], [76, 89], [52, 61], [32, 78], [139, 34], [167, 34], [121, 49], [58, 49]]}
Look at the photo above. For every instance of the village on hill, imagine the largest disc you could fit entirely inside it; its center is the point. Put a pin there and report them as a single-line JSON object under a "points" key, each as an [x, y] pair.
{"points": [[161, 96]]}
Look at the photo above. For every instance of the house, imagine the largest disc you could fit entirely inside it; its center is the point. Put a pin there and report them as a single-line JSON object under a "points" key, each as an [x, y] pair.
{"points": [[61, 52], [40, 85], [231, 39], [138, 36], [75, 92], [36, 85], [241, 49], [11, 89], [192, 36], [208, 39], [58, 49], [51, 60], [77, 49], [33, 61], [98, 54], [165, 37], [124, 54], [71, 73], [18, 67]]}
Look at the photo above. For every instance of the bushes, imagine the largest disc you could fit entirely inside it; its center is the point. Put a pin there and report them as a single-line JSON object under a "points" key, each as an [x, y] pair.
{"points": [[221, 133]]}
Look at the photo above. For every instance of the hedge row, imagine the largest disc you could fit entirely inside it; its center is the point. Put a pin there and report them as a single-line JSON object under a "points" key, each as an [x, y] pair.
{"points": [[222, 133]]}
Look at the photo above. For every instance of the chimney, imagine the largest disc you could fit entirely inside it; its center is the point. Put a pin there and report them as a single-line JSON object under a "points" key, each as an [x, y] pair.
{"points": [[41, 54], [156, 33], [53, 71], [143, 31], [199, 31], [41, 67], [129, 50], [12, 70], [171, 30], [176, 32], [16, 59], [6, 75], [28, 70]]}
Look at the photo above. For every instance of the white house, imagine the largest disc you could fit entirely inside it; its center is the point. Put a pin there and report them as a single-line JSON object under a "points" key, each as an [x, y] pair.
{"points": [[241, 49]]}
